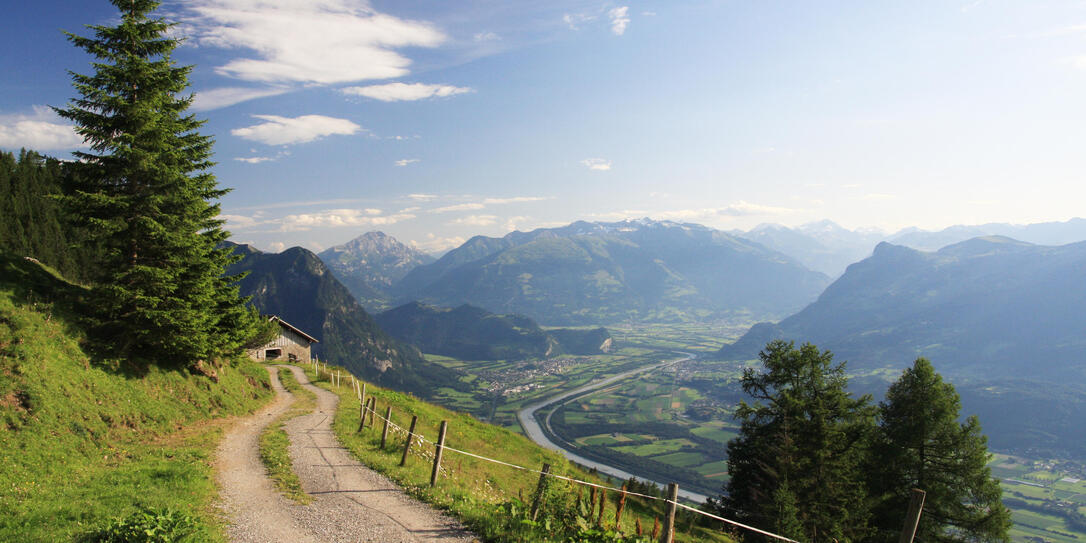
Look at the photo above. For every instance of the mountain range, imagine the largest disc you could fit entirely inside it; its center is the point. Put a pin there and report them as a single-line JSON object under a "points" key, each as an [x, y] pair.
{"points": [[984, 307], [296, 286], [1002, 319], [588, 273], [829, 248], [472, 333]]}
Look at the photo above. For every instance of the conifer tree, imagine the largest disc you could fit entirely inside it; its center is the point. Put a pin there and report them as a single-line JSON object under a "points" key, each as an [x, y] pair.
{"points": [[145, 192], [796, 464], [921, 444]]}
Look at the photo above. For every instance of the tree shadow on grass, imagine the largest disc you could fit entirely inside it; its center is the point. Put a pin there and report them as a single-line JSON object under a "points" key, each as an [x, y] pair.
{"points": [[41, 288]]}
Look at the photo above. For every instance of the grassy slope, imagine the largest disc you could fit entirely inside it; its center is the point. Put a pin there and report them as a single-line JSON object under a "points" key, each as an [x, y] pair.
{"points": [[82, 442], [474, 490]]}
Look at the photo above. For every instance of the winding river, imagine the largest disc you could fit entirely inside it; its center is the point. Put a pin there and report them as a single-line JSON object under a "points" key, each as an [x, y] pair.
{"points": [[531, 426]]}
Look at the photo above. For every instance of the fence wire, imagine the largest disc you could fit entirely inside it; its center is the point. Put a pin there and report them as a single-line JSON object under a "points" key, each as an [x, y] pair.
{"points": [[421, 440]]}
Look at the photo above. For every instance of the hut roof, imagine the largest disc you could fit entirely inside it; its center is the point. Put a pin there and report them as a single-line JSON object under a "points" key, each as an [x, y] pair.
{"points": [[290, 326]]}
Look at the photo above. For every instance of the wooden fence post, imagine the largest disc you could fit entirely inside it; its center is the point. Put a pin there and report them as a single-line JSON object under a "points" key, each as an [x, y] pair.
{"points": [[373, 408], [410, 438], [912, 518], [439, 448], [618, 511], [539, 489], [384, 433], [603, 506], [362, 415], [669, 524]]}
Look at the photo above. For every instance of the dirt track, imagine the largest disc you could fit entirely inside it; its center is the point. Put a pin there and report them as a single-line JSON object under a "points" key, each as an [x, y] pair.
{"points": [[351, 502]]}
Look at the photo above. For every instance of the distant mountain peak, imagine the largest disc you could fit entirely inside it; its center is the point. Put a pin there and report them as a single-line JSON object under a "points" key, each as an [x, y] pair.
{"points": [[983, 245], [371, 263]]}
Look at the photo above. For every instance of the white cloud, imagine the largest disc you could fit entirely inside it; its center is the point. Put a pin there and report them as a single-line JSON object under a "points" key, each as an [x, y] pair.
{"points": [[743, 208], [480, 204], [336, 218], [458, 207], [254, 159], [277, 246], [598, 164], [259, 159], [286, 130], [486, 36], [422, 196], [42, 130], [228, 96], [398, 92], [434, 244], [306, 41], [1078, 62], [477, 220], [620, 19], [512, 223], [513, 200], [406, 161], [572, 20], [239, 221]]}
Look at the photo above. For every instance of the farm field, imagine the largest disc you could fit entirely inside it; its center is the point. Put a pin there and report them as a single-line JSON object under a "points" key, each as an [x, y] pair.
{"points": [[502, 387], [1032, 485], [657, 421], [676, 423]]}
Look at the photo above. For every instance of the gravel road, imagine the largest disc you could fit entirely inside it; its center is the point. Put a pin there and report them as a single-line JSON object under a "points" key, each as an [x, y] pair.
{"points": [[351, 502]]}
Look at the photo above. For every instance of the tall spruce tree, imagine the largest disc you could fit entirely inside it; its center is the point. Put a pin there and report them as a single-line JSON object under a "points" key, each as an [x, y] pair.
{"points": [[147, 196], [921, 444], [796, 465]]}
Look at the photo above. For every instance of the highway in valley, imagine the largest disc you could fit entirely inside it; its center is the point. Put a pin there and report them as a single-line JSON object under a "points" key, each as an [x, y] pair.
{"points": [[528, 421]]}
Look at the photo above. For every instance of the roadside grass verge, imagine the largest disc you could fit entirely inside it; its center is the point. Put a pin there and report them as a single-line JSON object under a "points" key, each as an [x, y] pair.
{"points": [[83, 443], [275, 444], [491, 499]]}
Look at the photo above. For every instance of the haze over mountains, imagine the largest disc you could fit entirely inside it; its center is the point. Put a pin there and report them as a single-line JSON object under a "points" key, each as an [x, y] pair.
{"points": [[829, 248], [986, 306], [591, 273]]}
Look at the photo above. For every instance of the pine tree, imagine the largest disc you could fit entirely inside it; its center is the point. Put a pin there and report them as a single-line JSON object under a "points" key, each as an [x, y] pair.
{"points": [[921, 444], [146, 194], [796, 463]]}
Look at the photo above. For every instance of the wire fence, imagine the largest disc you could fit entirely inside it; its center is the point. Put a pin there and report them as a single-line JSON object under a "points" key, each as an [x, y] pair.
{"points": [[414, 446]]}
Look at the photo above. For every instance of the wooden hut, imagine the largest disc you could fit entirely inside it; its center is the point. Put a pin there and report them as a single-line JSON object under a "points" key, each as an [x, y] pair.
{"points": [[291, 344]]}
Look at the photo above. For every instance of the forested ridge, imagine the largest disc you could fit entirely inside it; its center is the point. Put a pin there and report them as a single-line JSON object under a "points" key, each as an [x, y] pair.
{"points": [[34, 222]]}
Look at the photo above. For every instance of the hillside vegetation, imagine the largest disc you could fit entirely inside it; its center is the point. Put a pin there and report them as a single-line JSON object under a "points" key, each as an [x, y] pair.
{"points": [[296, 286], [85, 440], [472, 333], [493, 499], [1002, 317]]}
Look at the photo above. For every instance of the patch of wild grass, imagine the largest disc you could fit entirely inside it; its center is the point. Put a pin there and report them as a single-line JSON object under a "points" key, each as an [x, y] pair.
{"points": [[275, 444], [82, 445]]}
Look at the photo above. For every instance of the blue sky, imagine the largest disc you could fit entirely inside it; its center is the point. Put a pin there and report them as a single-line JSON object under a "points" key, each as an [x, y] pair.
{"points": [[435, 121]]}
